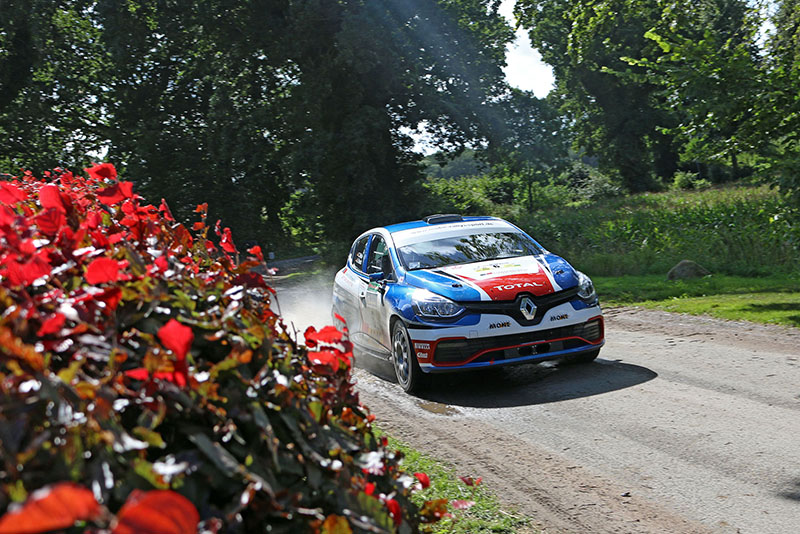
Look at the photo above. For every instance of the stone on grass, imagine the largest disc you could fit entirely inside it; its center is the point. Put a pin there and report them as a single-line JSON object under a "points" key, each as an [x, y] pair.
{"points": [[687, 269]]}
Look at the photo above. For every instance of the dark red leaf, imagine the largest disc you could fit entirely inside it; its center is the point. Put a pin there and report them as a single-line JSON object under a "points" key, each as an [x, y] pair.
{"points": [[52, 325], [50, 197], [11, 194], [157, 512], [111, 298], [308, 335], [54, 508], [102, 171], [250, 279], [102, 270], [176, 337], [469, 481]]}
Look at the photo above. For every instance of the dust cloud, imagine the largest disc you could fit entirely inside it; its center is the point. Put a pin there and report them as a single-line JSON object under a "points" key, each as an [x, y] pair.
{"points": [[304, 303]]}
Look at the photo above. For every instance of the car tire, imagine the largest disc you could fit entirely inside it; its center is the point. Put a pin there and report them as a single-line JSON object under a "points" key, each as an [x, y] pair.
{"points": [[583, 357], [404, 360]]}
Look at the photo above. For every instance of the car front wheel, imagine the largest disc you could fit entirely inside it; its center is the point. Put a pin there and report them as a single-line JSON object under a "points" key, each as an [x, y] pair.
{"points": [[409, 375]]}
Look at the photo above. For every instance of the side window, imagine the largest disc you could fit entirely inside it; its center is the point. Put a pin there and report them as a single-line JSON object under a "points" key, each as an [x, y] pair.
{"points": [[377, 253], [357, 254]]}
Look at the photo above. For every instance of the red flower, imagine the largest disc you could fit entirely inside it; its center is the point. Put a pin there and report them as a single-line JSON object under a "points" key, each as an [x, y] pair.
{"points": [[157, 512], [325, 357], [423, 479], [462, 505], [115, 193], [163, 208], [52, 325], [256, 251], [369, 488], [7, 216], [329, 335], [227, 242], [11, 194], [176, 337], [56, 508], [395, 511], [50, 221], [50, 197], [102, 171], [102, 270], [470, 482]]}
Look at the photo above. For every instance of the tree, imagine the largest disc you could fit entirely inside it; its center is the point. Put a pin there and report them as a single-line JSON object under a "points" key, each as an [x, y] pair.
{"points": [[53, 77], [615, 113], [253, 104], [710, 72]]}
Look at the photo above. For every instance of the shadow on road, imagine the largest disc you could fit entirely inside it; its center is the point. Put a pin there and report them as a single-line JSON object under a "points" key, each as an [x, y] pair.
{"points": [[793, 493], [534, 384]]}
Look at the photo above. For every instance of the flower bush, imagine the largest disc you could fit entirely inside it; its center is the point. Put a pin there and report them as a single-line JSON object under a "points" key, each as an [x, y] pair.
{"points": [[147, 386]]}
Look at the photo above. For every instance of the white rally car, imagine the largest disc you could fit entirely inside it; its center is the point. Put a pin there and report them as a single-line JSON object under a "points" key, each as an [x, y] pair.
{"points": [[449, 293]]}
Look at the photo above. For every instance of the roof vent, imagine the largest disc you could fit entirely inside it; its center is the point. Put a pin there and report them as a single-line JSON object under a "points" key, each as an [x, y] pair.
{"points": [[442, 218]]}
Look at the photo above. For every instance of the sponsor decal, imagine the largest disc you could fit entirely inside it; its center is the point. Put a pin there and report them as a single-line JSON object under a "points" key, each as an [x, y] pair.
{"points": [[505, 324], [503, 280], [423, 351], [518, 285], [559, 317]]}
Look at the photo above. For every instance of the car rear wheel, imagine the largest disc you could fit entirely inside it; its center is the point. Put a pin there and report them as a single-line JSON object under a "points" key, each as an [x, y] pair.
{"points": [[583, 357], [406, 368]]}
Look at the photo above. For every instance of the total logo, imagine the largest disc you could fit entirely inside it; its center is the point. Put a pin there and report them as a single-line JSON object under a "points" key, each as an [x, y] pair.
{"points": [[506, 324], [559, 317], [518, 286]]}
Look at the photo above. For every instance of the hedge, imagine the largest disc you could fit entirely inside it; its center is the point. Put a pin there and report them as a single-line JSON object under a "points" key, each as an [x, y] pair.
{"points": [[147, 386]]}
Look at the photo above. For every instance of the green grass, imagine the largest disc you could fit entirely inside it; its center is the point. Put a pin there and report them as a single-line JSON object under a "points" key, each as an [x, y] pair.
{"points": [[723, 229], [772, 300], [485, 517]]}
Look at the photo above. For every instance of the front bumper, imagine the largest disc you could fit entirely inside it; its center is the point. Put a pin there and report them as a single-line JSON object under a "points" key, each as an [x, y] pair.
{"points": [[445, 350]]}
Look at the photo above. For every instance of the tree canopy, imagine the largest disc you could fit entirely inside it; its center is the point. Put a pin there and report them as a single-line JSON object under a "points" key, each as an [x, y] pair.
{"points": [[294, 119]]}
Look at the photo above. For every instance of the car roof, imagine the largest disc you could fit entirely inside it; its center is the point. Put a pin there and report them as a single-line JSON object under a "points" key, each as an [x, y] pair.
{"points": [[392, 228]]}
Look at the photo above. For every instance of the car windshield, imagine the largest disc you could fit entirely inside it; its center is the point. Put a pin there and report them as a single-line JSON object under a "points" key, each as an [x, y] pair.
{"points": [[466, 249]]}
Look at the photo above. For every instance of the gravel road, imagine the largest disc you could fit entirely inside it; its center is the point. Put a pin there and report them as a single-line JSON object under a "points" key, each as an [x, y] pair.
{"points": [[684, 425]]}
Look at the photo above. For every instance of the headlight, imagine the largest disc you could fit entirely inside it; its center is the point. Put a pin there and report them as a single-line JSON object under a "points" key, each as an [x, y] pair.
{"points": [[586, 288], [431, 305]]}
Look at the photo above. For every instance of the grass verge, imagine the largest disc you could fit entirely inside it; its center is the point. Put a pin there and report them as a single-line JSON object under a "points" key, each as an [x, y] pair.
{"points": [[484, 517], [772, 300]]}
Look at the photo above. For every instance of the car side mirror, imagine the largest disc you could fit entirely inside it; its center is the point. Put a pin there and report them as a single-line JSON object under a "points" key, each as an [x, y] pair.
{"points": [[376, 277]]}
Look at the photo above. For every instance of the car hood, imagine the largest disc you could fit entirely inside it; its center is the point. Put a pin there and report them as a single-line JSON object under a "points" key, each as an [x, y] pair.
{"points": [[497, 279]]}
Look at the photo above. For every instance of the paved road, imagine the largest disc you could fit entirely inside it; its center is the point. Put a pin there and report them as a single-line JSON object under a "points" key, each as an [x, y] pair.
{"points": [[682, 425]]}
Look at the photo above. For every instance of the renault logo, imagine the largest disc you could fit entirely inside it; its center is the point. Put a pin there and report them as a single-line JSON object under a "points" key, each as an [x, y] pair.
{"points": [[528, 308]]}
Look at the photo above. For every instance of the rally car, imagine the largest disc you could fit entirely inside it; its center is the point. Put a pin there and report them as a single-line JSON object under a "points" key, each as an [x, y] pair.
{"points": [[450, 293]]}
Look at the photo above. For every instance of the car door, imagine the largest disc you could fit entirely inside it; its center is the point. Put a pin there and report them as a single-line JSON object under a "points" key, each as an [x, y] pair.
{"points": [[374, 310], [347, 289]]}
